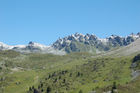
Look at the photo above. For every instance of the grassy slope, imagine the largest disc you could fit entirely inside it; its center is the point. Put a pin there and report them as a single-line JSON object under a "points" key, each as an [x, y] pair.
{"points": [[36, 67], [104, 70], [131, 87], [109, 70]]}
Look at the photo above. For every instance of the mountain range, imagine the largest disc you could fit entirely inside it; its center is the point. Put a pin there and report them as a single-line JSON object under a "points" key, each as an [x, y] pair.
{"points": [[76, 43], [91, 65]]}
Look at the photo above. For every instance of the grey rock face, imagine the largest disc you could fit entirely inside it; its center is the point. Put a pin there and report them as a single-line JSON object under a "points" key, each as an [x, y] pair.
{"points": [[95, 43], [76, 43]]}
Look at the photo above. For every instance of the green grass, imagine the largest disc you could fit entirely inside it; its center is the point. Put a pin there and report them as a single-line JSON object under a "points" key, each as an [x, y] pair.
{"points": [[131, 87], [34, 65], [83, 72]]}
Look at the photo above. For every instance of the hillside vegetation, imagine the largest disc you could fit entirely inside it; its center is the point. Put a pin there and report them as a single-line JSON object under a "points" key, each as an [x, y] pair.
{"points": [[72, 73]]}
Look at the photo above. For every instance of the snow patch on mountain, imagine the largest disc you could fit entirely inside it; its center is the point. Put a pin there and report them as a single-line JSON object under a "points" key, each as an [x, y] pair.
{"points": [[5, 46], [75, 43], [91, 40], [32, 47]]}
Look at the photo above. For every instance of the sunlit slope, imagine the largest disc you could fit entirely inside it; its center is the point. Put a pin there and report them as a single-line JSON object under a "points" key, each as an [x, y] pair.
{"points": [[24, 70], [95, 73], [133, 48], [70, 73]]}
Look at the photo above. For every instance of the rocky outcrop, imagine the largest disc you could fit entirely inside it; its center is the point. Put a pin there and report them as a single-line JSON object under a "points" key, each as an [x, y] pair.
{"points": [[73, 42], [76, 43], [135, 66]]}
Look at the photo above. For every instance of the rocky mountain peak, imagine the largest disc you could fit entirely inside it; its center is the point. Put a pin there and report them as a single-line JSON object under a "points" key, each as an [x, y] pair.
{"points": [[78, 34], [36, 45], [79, 41], [76, 43], [138, 33], [31, 43]]}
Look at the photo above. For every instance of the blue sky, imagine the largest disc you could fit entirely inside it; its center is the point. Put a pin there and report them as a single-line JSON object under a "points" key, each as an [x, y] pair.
{"points": [[44, 21]]}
